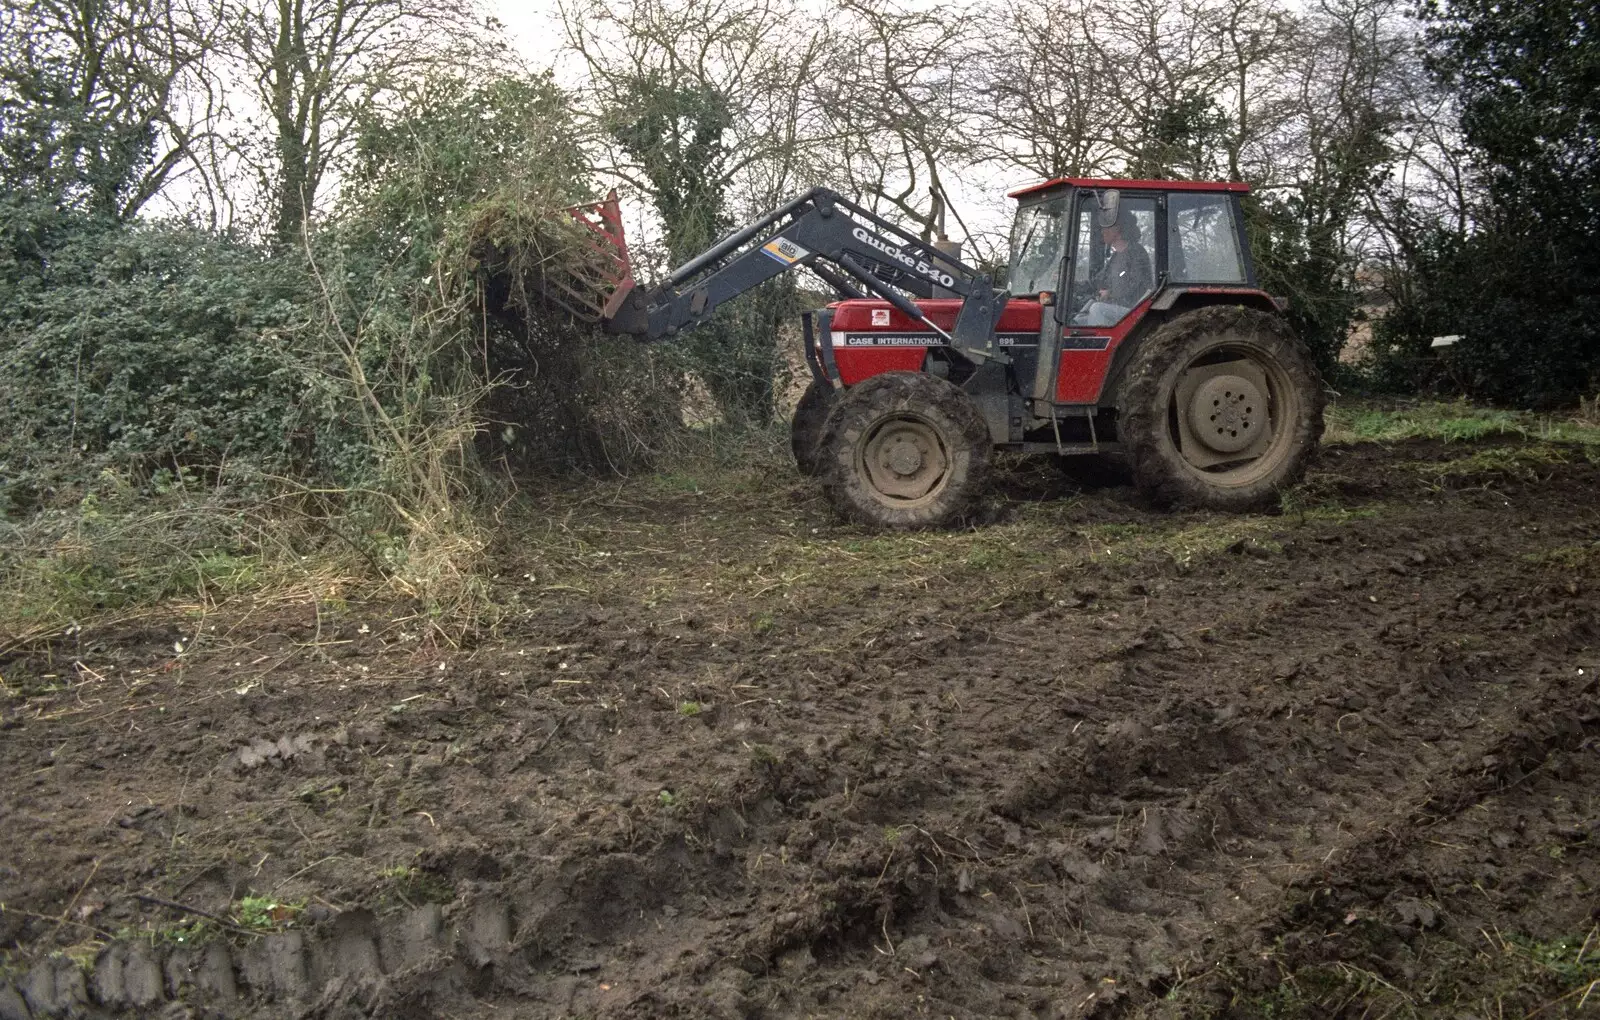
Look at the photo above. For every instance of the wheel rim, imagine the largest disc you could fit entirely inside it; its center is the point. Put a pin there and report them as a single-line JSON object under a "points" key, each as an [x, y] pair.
{"points": [[904, 461], [1232, 414]]}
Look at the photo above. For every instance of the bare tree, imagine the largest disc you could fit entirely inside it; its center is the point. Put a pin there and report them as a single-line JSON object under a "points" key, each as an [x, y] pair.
{"points": [[89, 98], [1254, 39], [697, 105], [1161, 65], [1148, 87], [1040, 87], [1347, 73], [311, 66], [897, 100]]}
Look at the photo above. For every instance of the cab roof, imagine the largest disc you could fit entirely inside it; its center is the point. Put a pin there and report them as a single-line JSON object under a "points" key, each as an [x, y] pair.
{"points": [[1130, 185]]}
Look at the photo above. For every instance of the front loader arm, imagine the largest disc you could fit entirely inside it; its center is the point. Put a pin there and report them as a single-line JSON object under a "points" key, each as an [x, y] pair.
{"points": [[840, 242]]}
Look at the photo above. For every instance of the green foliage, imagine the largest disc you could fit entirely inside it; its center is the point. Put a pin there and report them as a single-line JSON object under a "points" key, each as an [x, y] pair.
{"points": [[149, 349], [1299, 255], [121, 546], [737, 355], [676, 134], [414, 885], [264, 914], [1179, 138], [1524, 302], [350, 379], [1514, 976], [1454, 421], [1525, 73], [452, 200], [1518, 284]]}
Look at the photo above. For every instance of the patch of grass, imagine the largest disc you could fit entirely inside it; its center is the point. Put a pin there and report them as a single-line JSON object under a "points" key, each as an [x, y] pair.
{"points": [[1452, 422], [320, 795], [1572, 963], [1303, 504], [989, 556], [737, 556], [674, 482], [83, 954], [690, 708], [1513, 975], [265, 914], [193, 932], [1193, 541], [1566, 557], [119, 551], [1525, 462], [762, 756]]}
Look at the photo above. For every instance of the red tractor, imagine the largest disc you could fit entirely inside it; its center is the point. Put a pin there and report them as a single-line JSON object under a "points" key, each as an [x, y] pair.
{"points": [[1131, 325]]}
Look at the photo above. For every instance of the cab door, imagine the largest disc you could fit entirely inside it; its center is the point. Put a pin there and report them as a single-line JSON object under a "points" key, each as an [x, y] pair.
{"points": [[1091, 326]]}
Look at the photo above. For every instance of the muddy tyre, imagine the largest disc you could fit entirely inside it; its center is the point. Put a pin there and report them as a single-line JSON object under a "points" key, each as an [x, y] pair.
{"points": [[1220, 408], [805, 428], [905, 450]]}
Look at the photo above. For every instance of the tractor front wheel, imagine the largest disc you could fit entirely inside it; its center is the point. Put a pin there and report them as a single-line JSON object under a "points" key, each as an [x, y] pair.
{"points": [[805, 428], [905, 450], [1220, 408]]}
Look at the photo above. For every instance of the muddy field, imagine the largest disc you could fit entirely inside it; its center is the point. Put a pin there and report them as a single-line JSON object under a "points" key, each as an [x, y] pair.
{"points": [[725, 757]]}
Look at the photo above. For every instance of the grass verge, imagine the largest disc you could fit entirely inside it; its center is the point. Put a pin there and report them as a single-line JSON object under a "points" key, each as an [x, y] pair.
{"points": [[1455, 421]]}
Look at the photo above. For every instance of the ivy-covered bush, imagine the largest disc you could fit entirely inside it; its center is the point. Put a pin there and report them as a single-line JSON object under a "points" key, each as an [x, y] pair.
{"points": [[457, 200], [378, 358], [1526, 309], [143, 350]]}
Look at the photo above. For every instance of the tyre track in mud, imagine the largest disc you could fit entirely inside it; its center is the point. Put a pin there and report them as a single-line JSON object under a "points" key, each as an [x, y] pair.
{"points": [[1239, 815], [1105, 790]]}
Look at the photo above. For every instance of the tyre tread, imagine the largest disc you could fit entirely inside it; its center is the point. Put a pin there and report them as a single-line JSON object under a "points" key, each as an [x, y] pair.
{"points": [[967, 435], [1158, 470]]}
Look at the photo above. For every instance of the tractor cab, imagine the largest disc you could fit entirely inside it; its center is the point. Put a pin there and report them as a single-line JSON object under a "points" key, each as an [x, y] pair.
{"points": [[1102, 251]]}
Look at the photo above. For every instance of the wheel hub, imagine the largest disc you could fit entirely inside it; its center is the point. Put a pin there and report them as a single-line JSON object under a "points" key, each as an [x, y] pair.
{"points": [[905, 459], [1227, 413], [903, 456]]}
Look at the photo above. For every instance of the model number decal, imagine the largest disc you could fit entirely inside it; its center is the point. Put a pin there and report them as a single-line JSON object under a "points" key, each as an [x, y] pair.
{"points": [[843, 338], [933, 273]]}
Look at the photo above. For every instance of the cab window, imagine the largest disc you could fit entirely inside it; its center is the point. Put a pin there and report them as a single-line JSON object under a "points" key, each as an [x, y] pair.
{"points": [[1202, 239], [1036, 246]]}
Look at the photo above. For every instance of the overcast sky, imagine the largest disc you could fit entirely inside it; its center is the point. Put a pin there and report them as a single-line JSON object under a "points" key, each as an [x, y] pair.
{"points": [[534, 25]]}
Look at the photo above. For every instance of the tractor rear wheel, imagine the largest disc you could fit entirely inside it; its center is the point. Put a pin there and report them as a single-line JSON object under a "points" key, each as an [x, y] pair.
{"points": [[1220, 408], [905, 450], [805, 428]]}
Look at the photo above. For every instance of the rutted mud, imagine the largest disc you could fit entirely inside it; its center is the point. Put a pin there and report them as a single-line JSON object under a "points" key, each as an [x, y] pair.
{"points": [[1088, 785]]}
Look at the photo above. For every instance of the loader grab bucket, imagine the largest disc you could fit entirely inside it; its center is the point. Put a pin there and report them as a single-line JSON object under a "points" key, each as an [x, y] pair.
{"points": [[593, 285]]}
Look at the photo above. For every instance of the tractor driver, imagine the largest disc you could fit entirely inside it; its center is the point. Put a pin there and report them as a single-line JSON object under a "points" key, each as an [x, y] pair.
{"points": [[1126, 277]]}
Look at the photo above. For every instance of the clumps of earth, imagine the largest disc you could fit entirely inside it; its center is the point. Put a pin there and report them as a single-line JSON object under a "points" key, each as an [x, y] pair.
{"points": [[1344, 765]]}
